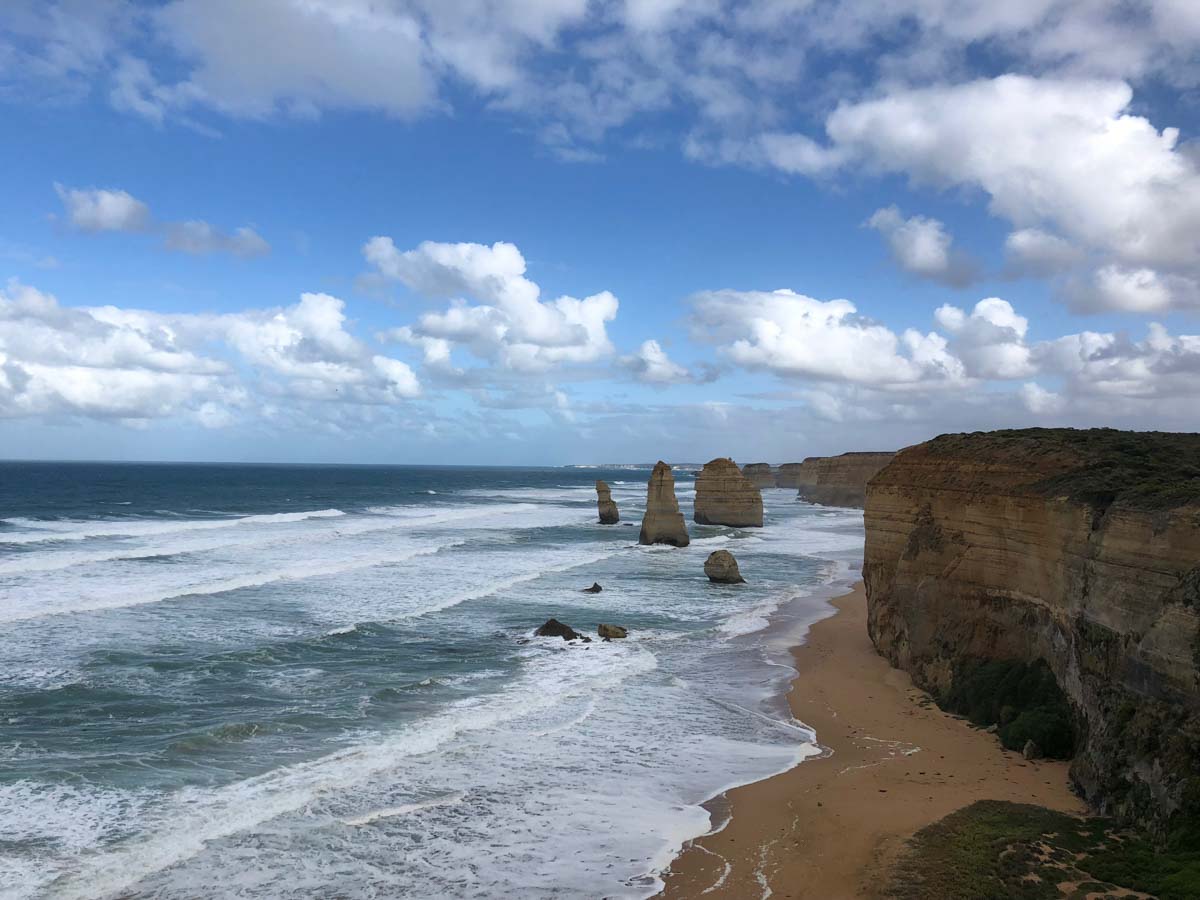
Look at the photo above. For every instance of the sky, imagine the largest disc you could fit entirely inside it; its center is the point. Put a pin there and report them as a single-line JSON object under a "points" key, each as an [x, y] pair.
{"points": [[582, 231]]}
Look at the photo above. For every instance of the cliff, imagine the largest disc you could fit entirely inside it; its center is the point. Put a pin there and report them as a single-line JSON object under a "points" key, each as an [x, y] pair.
{"points": [[760, 474], [663, 522], [839, 480], [724, 496], [1072, 552], [788, 475], [607, 507]]}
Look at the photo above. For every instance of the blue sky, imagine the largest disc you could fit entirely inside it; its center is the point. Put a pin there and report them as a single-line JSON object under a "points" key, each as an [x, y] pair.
{"points": [[338, 230]]}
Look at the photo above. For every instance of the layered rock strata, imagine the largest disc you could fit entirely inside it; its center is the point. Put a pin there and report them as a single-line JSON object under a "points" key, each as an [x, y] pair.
{"points": [[1080, 549], [839, 480], [663, 522], [722, 568], [760, 474], [724, 496], [609, 515], [788, 475]]}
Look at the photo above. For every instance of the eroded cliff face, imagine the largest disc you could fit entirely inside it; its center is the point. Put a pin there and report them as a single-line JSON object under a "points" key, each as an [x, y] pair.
{"points": [[1079, 548], [760, 474], [606, 506], [788, 475], [839, 480], [663, 522], [724, 496]]}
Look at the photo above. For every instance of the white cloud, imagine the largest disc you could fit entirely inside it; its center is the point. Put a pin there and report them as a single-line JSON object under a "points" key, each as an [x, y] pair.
{"points": [[103, 209], [922, 246], [1032, 251], [511, 325], [651, 365], [108, 209], [1140, 290], [990, 341], [135, 365], [794, 335]]}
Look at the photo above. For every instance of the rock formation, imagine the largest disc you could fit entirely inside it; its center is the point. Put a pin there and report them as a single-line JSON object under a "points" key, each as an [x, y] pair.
{"points": [[839, 480], [788, 475], [612, 632], [663, 522], [555, 628], [724, 496], [759, 474], [594, 589], [723, 568], [608, 507], [1073, 550]]}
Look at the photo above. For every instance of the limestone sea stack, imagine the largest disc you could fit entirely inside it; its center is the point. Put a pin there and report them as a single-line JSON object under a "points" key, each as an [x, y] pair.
{"points": [[663, 522], [724, 496], [839, 480], [722, 568], [788, 475], [608, 507], [760, 474], [1076, 553]]}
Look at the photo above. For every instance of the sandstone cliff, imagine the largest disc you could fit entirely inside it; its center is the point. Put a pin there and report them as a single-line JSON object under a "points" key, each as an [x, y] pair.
{"points": [[724, 496], [663, 522], [788, 475], [760, 474], [1079, 550], [609, 515], [839, 480]]}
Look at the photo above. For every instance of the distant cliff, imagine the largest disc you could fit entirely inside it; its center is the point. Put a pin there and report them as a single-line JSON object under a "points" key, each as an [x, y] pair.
{"points": [[760, 474], [838, 480], [1076, 550]]}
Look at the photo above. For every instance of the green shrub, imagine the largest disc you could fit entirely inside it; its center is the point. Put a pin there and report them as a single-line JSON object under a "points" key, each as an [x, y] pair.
{"points": [[1023, 699]]}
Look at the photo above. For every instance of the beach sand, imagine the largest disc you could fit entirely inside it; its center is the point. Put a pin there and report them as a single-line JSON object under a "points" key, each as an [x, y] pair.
{"points": [[831, 826]]}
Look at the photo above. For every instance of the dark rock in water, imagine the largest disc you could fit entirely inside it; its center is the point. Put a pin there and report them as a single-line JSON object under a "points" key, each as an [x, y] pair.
{"points": [[1031, 750], [609, 632], [722, 568], [609, 515], [555, 628], [594, 589]]}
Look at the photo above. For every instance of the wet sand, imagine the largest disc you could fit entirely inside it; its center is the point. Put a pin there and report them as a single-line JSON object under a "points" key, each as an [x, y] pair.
{"points": [[894, 763]]}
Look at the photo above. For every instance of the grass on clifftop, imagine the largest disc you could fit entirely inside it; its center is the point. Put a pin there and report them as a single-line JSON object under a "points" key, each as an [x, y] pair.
{"points": [[1099, 466], [994, 850]]}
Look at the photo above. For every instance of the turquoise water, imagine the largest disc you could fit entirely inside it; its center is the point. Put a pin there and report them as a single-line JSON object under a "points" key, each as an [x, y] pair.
{"points": [[290, 681]]}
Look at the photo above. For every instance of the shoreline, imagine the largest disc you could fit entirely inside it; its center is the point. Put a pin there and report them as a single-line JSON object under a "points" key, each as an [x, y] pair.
{"points": [[892, 763]]}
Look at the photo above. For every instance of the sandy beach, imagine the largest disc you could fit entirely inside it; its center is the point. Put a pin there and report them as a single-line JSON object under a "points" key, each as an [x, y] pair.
{"points": [[894, 763]]}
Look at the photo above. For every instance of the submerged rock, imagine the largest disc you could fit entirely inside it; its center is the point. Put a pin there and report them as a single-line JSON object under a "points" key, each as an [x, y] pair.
{"points": [[555, 628], [594, 589], [610, 632], [722, 568], [724, 496], [609, 515], [663, 522]]}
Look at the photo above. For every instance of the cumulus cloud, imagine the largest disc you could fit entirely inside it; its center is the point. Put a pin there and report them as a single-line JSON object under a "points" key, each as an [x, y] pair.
{"points": [[990, 340], [922, 246], [1142, 290], [651, 365], [1032, 251], [111, 362], [510, 325], [794, 335], [103, 209], [94, 210]]}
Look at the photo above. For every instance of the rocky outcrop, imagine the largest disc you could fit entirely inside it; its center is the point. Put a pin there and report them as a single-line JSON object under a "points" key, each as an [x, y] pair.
{"points": [[594, 589], [722, 568], [839, 480], [788, 475], [760, 474], [663, 522], [608, 507], [724, 496], [1076, 550], [612, 632], [555, 628]]}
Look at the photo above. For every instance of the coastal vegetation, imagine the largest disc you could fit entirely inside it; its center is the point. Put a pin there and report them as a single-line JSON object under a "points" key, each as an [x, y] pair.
{"points": [[995, 850], [1023, 700]]}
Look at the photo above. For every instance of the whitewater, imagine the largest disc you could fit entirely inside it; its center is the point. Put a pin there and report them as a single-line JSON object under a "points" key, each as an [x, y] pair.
{"points": [[306, 681]]}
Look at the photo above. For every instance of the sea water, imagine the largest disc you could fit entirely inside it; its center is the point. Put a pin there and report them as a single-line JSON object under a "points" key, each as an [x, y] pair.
{"points": [[318, 681]]}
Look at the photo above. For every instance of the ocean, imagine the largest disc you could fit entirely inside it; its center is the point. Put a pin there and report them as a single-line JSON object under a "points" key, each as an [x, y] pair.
{"points": [[320, 681]]}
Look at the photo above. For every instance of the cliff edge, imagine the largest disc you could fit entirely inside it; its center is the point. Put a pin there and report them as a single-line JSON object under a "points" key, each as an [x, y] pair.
{"points": [[838, 480], [1075, 553]]}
